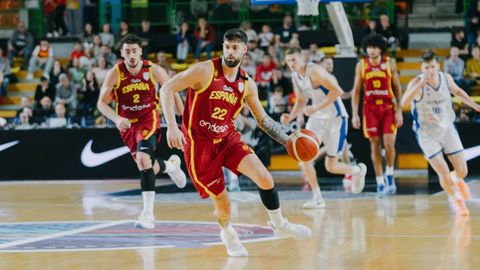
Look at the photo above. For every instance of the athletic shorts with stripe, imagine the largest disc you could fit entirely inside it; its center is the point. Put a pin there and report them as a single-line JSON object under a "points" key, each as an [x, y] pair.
{"points": [[446, 141], [378, 118], [142, 129], [205, 159], [331, 132]]}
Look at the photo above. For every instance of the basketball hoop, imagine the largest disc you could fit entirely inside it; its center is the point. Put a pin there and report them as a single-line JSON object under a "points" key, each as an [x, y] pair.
{"points": [[307, 7]]}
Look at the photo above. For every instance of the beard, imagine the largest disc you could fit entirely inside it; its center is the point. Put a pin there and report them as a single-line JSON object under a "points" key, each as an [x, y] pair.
{"points": [[232, 62], [129, 64]]}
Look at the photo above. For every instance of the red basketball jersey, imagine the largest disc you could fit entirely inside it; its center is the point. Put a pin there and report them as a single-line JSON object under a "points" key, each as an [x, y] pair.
{"points": [[209, 112], [135, 95], [377, 80]]}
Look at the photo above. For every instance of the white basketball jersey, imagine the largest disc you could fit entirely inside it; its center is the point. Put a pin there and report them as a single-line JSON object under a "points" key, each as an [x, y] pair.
{"points": [[433, 112], [304, 85]]}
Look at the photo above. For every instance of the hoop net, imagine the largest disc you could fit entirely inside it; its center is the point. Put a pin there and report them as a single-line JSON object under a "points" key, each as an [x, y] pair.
{"points": [[307, 7]]}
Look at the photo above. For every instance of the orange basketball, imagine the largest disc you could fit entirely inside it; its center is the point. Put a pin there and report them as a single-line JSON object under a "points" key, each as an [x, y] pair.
{"points": [[303, 145]]}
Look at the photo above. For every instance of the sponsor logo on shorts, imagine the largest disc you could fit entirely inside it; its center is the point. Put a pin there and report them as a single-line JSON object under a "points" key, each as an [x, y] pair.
{"points": [[213, 127], [135, 108], [214, 182]]}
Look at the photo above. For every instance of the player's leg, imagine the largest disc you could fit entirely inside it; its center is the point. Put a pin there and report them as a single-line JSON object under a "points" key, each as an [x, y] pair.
{"points": [[440, 166], [347, 158], [460, 171], [389, 131], [172, 167], [147, 182], [317, 200], [371, 126], [251, 167]]}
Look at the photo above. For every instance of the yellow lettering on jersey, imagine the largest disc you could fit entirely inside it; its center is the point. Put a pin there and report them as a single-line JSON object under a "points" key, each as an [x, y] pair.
{"points": [[379, 74], [140, 86], [223, 95]]}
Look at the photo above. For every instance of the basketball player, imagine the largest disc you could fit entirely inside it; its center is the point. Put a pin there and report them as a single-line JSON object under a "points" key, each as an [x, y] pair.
{"points": [[133, 85], [328, 119], [433, 118], [381, 117], [216, 92]]}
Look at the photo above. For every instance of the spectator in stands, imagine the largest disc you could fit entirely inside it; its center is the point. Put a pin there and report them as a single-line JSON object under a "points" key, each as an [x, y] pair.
{"points": [[370, 28], [277, 103], [473, 25], [44, 89], [106, 35], [275, 54], [97, 46], [49, 17], [100, 71], [87, 36], [459, 41], [110, 57], [87, 61], [24, 103], [199, 8], [60, 26], [456, 67], [74, 17], [55, 73], [184, 38], [247, 28], [89, 92], [205, 38], [265, 76], [76, 73], [316, 54], [248, 65], [148, 39], [21, 44], [24, 119], [163, 62], [266, 37], [66, 93], [286, 32], [43, 111], [123, 30], [59, 118], [473, 66], [77, 52], [4, 73], [255, 52], [42, 57], [389, 32]]}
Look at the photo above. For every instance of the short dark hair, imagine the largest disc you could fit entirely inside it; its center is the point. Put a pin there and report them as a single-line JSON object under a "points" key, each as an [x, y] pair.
{"points": [[130, 39], [293, 50], [428, 56], [236, 34], [325, 58], [374, 40]]}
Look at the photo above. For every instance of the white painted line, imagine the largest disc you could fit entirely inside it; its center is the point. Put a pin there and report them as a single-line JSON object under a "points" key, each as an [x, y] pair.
{"points": [[60, 234]]}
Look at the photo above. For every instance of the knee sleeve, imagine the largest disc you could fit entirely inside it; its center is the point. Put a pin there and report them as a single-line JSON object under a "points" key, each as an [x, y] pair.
{"points": [[270, 198], [147, 180], [148, 147]]}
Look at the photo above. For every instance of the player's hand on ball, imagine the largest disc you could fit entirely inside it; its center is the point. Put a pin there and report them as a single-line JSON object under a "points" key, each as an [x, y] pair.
{"points": [[309, 110], [285, 118], [175, 138], [122, 124], [356, 121]]}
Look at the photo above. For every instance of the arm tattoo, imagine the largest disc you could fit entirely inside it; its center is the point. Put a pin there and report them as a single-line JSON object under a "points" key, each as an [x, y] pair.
{"points": [[273, 129]]}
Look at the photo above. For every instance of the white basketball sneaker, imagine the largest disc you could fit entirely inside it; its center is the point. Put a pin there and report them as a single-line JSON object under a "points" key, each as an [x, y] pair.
{"points": [[145, 221], [314, 204], [297, 231], [177, 175], [358, 181], [231, 241]]}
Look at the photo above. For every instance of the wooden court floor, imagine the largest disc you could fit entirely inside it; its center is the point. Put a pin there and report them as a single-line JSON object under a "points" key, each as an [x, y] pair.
{"points": [[400, 232]]}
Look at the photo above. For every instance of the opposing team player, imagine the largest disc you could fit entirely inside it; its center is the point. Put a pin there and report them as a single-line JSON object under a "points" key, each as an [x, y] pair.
{"points": [[216, 92], [133, 85], [328, 120], [381, 115], [433, 117]]}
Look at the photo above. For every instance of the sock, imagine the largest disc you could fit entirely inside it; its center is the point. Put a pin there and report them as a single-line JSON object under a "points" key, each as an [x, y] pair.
{"points": [[389, 170], [269, 198], [317, 194], [454, 177], [355, 170], [380, 180], [275, 217], [148, 201]]}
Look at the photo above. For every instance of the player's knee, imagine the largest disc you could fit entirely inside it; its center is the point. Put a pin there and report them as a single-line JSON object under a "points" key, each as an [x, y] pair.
{"points": [[330, 165], [462, 171], [143, 161], [264, 179]]}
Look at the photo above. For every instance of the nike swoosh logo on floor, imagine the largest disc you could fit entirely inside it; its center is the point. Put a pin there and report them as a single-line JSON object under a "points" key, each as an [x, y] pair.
{"points": [[91, 159], [472, 152], [8, 145]]}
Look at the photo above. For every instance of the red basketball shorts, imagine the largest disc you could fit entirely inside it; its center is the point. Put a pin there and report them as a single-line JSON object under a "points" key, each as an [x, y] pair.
{"points": [[205, 159], [378, 118], [142, 129]]}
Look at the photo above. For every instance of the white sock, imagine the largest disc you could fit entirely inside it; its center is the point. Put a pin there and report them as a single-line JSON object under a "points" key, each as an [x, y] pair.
{"points": [[380, 180], [276, 217], [169, 166], [389, 170], [355, 170], [148, 201], [317, 194]]}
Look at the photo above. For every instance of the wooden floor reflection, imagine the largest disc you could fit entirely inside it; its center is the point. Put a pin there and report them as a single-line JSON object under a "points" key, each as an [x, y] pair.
{"points": [[399, 232]]}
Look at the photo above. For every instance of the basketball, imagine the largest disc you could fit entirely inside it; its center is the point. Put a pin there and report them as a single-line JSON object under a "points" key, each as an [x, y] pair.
{"points": [[302, 145]]}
